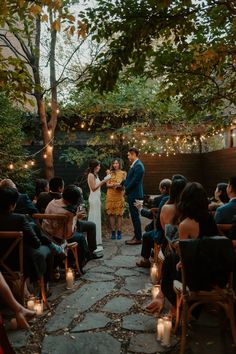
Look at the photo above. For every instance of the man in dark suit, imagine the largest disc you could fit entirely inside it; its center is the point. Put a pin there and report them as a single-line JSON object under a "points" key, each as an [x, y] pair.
{"points": [[134, 191], [37, 257], [164, 188], [225, 213]]}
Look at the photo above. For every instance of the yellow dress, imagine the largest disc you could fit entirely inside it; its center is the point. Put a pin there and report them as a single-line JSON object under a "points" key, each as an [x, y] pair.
{"points": [[115, 200]]}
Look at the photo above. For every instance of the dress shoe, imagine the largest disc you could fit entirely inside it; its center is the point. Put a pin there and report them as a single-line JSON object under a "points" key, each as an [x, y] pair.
{"points": [[143, 264], [133, 241], [97, 256]]}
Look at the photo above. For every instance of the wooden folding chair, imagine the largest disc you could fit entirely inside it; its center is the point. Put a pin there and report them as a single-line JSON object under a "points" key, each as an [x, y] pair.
{"points": [[158, 254], [12, 241], [206, 264], [62, 219]]}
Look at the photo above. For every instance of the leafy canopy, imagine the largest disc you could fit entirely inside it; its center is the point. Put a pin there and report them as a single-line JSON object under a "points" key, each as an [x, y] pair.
{"points": [[189, 45]]}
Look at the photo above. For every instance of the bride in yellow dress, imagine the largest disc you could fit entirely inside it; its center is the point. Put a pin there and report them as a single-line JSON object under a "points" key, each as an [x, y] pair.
{"points": [[115, 200]]}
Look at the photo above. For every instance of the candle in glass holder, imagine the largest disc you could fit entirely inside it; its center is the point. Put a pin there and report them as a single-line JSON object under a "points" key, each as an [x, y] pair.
{"points": [[167, 331], [155, 291], [38, 307], [160, 329], [154, 273], [30, 303], [69, 279]]}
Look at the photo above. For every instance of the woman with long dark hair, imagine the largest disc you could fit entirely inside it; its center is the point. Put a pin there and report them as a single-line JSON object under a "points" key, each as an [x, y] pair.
{"points": [[95, 184], [195, 222], [115, 200]]}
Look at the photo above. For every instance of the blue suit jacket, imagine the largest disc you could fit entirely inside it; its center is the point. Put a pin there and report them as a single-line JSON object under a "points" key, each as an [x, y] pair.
{"points": [[225, 213], [134, 182]]}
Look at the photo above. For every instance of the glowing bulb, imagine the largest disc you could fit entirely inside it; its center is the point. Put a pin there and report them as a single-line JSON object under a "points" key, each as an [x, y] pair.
{"points": [[32, 163], [49, 104], [112, 136], [58, 111], [144, 141], [82, 125], [49, 133], [11, 166], [45, 156], [26, 166]]}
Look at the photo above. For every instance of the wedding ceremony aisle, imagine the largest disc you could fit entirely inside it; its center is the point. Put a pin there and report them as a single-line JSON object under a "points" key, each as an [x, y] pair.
{"points": [[104, 314]]}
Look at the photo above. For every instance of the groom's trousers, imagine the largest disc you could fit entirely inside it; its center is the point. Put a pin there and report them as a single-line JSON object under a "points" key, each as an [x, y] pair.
{"points": [[135, 217]]}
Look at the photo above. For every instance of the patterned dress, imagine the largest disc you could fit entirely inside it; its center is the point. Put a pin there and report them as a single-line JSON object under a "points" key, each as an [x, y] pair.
{"points": [[115, 200]]}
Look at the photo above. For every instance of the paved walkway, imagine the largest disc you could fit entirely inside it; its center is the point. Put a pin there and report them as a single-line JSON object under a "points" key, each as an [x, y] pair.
{"points": [[104, 314]]}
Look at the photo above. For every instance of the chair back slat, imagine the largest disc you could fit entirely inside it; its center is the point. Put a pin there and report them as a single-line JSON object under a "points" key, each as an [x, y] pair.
{"points": [[206, 262], [11, 241]]}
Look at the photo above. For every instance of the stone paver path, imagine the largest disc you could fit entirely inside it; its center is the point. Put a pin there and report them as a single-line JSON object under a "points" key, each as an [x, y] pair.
{"points": [[104, 314]]}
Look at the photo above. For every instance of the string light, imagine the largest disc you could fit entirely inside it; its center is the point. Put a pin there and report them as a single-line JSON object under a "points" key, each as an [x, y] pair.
{"points": [[11, 166], [82, 125]]}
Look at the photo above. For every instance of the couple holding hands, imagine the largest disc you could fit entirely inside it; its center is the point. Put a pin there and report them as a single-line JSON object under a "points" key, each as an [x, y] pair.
{"points": [[118, 184]]}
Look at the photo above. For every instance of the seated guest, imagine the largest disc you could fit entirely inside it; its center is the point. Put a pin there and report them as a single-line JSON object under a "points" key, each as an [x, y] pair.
{"points": [[169, 215], [164, 188], [224, 214], [156, 235], [67, 205], [24, 204], [21, 316], [195, 222], [89, 227], [56, 186], [21, 313], [41, 185], [220, 197], [37, 257]]}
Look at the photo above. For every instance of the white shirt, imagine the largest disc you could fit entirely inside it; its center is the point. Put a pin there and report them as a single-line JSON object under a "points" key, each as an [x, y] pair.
{"points": [[133, 163]]}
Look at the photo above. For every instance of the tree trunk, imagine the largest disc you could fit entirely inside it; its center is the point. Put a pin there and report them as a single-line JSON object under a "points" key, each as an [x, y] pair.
{"points": [[47, 130]]}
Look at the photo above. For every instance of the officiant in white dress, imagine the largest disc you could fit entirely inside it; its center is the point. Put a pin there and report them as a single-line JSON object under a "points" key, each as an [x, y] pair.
{"points": [[95, 184]]}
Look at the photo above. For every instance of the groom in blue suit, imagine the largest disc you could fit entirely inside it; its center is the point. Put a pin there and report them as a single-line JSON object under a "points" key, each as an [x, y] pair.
{"points": [[134, 190]]}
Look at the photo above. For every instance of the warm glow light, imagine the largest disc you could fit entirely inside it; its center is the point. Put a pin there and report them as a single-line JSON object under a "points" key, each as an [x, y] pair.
{"points": [[26, 166], [11, 166], [58, 111], [49, 148], [112, 136], [45, 156], [82, 125], [49, 133], [32, 163]]}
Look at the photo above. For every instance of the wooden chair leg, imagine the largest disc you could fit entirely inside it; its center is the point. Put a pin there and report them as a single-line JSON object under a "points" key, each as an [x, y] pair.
{"points": [[184, 327], [75, 254], [178, 307], [73, 249], [42, 291], [232, 320]]}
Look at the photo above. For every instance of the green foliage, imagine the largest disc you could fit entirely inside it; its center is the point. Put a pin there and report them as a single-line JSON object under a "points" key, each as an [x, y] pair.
{"points": [[11, 141], [188, 45]]}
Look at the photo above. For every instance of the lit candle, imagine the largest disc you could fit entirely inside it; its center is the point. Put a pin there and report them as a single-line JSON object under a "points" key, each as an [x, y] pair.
{"points": [[38, 307], [155, 291], [154, 273], [30, 303], [69, 279], [167, 331], [160, 329]]}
